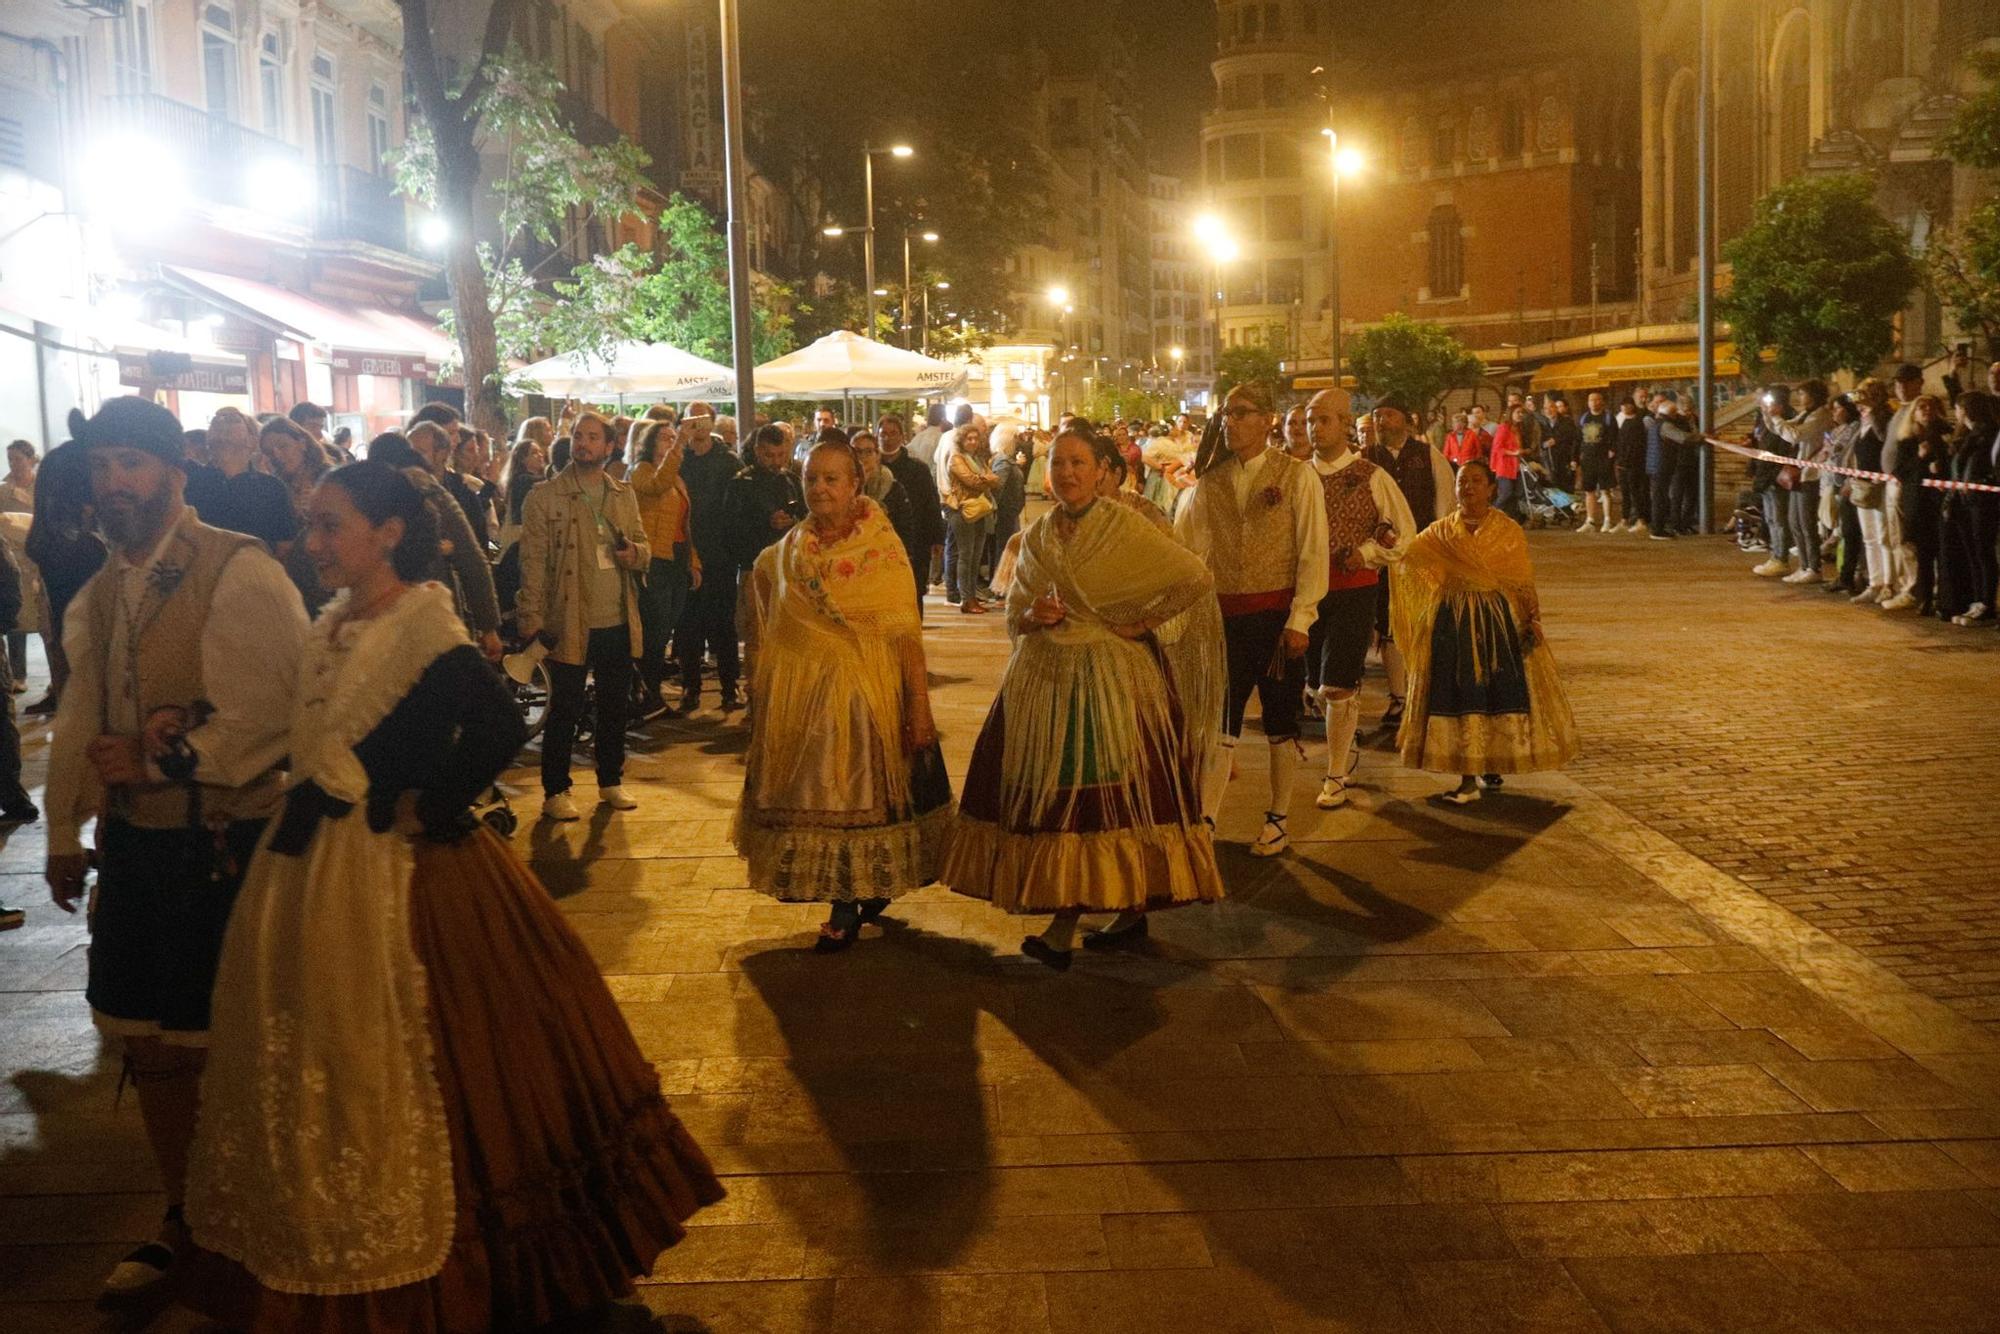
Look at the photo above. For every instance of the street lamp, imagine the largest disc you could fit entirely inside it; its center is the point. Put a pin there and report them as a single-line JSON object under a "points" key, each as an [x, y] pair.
{"points": [[1341, 162], [928, 237], [868, 240], [1222, 248]]}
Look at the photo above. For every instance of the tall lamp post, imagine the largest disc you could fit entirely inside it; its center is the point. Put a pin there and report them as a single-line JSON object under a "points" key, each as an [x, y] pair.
{"points": [[1705, 244], [928, 237], [744, 351], [1222, 248], [867, 230], [1340, 162]]}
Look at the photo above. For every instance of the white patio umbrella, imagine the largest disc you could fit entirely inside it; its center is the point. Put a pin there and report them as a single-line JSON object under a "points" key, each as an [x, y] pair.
{"points": [[845, 364], [650, 370]]}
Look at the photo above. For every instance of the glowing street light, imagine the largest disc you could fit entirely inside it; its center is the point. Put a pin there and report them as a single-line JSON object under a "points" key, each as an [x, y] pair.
{"points": [[1343, 161], [1222, 249], [833, 231], [136, 179], [901, 150], [1059, 295], [433, 232], [928, 237]]}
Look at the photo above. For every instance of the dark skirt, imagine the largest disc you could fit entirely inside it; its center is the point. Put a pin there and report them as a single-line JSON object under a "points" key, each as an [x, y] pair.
{"points": [[1476, 659], [570, 1173]]}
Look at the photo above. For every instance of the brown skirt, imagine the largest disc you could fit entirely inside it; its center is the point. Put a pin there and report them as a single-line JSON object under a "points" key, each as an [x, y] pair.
{"points": [[570, 1173]]}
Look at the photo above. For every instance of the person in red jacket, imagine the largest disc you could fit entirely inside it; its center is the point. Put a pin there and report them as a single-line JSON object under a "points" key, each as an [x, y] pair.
{"points": [[1508, 438], [1462, 442]]}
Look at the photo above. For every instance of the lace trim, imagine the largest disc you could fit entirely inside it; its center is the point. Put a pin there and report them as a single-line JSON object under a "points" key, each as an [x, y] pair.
{"points": [[844, 865]]}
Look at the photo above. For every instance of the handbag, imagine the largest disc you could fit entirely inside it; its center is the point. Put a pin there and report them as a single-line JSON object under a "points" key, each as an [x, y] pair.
{"points": [[974, 508]]}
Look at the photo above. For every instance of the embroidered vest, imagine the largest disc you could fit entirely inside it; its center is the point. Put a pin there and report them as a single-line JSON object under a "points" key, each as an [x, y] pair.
{"points": [[1351, 519], [1411, 470], [1254, 548], [167, 664]]}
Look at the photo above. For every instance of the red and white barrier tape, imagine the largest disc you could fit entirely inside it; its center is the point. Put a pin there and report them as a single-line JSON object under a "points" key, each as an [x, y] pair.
{"points": [[1765, 456]]}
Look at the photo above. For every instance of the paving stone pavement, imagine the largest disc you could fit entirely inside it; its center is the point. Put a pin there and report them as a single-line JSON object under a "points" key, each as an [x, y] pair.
{"points": [[1591, 1055]]}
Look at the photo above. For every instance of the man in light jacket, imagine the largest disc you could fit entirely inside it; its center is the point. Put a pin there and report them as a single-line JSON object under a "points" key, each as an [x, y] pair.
{"points": [[1806, 433], [582, 545]]}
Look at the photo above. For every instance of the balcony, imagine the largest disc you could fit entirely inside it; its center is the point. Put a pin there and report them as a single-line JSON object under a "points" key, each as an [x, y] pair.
{"points": [[592, 128], [357, 205], [216, 154]]}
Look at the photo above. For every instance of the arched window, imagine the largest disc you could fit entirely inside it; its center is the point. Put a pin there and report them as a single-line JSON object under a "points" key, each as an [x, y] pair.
{"points": [[1548, 125], [1413, 144], [1479, 135], [1444, 142], [1790, 133], [1447, 266]]}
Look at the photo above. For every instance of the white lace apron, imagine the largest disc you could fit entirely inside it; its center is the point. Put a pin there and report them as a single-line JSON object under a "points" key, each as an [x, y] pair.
{"points": [[322, 1162]]}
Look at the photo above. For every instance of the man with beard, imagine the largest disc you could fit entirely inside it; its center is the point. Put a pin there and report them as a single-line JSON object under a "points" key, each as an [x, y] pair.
{"points": [[183, 654], [1368, 525], [1429, 487], [920, 484]]}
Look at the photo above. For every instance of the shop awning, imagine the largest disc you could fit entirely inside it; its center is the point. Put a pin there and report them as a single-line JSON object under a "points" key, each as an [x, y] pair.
{"points": [[362, 340], [1632, 365]]}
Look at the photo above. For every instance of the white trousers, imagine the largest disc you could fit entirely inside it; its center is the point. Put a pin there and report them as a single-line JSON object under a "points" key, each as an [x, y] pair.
{"points": [[1872, 544]]}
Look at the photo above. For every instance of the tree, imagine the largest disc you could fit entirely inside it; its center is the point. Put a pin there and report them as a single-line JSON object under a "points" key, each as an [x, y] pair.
{"points": [[1821, 275], [1253, 360], [685, 299], [1964, 265], [1418, 360], [550, 185]]}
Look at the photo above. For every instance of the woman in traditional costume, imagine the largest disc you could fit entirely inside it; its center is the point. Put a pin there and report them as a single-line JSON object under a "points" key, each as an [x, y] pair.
{"points": [[422, 1109], [1484, 697], [845, 797], [1084, 793]]}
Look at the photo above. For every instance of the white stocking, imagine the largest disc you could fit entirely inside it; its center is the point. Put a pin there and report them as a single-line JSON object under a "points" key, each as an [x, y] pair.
{"points": [[1342, 717], [1392, 667]]}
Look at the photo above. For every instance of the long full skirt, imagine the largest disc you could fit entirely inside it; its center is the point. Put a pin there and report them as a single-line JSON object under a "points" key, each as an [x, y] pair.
{"points": [[1485, 702], [570, 1174]]}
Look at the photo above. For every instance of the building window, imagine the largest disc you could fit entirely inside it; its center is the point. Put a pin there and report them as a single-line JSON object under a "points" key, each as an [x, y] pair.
{"points": [[1284, 218], [586, 72], [1548, 126], [218, 60], [1513, 129], [1240, 159], [271, 83], [1274, 90], [325, 110], [1679, 196], [1447, 266], [1444, 143], [378, 128], [1413, 145], [132, 48], [1479, 135], [1281, 158], [1284, 281], [1791, 101]]}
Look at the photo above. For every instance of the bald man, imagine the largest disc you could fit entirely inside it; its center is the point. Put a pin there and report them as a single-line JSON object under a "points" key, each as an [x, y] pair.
{"points": [[1425, 478], [1368, 527]]}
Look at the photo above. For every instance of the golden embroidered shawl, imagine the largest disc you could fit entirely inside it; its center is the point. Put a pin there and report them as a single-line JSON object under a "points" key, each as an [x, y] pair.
{"points": [[825, 621], [1452, 562], [1114, 569]]}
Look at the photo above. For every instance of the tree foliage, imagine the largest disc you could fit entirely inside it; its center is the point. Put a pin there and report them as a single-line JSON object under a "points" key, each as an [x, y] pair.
{"points": [[1964, 270], [549, 187], [1254, 360], [684, 300], [1973, 138], [1820, 275], [1419, 360]]}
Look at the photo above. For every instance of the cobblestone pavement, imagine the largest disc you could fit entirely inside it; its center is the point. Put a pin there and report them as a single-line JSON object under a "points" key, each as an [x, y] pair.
{"points": [[1585, 1056], [1841, 760]]}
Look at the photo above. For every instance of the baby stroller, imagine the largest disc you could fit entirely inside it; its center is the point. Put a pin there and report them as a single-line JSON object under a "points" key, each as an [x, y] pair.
{"points": [[1543, 504]]}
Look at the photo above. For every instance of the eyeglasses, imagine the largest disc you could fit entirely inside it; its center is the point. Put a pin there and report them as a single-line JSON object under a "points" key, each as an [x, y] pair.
{"points": [[1238, 414]]}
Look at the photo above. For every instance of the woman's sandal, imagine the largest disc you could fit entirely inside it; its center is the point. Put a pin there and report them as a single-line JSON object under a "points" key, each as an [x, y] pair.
{"points": [[832, 939], [871, 909], [1044, 953], [1111, 940]]}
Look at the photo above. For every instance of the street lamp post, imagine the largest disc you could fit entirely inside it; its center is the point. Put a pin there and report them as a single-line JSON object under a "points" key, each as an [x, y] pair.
{"points": [[743, 349], [929, 238], [868, 232], [1340, 162], [1222, 248], [925, 345]]}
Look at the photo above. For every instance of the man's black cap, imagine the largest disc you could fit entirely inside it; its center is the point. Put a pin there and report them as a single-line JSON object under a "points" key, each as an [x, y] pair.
{"points": [[1397, 403], [131, 422]]}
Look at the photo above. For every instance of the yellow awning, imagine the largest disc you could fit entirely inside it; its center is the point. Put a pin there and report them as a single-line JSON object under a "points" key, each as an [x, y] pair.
{"points": [[1633, 365]]}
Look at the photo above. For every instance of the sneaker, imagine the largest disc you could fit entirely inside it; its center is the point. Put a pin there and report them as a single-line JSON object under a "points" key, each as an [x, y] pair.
{"points": [[1588, 526], [1752, 548], [1274, 839], [1872, 593], [1332, 793], [1772, 568], [1661, 537], [617, 798], [1900, 602], [1806, 574], [1465, 794], [1974, 614], [1637, 526], [560, 808]]}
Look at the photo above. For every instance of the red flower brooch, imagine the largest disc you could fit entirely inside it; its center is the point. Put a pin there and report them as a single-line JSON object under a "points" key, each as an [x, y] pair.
{"points": [[1271, 496]]}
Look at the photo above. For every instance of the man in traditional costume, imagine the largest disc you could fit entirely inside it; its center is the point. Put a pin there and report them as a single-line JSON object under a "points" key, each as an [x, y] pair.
{"points": [[1084, 790], [1423, 473], [1368, 526], [1258, 518], [189, 639], [1485, 699]]}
